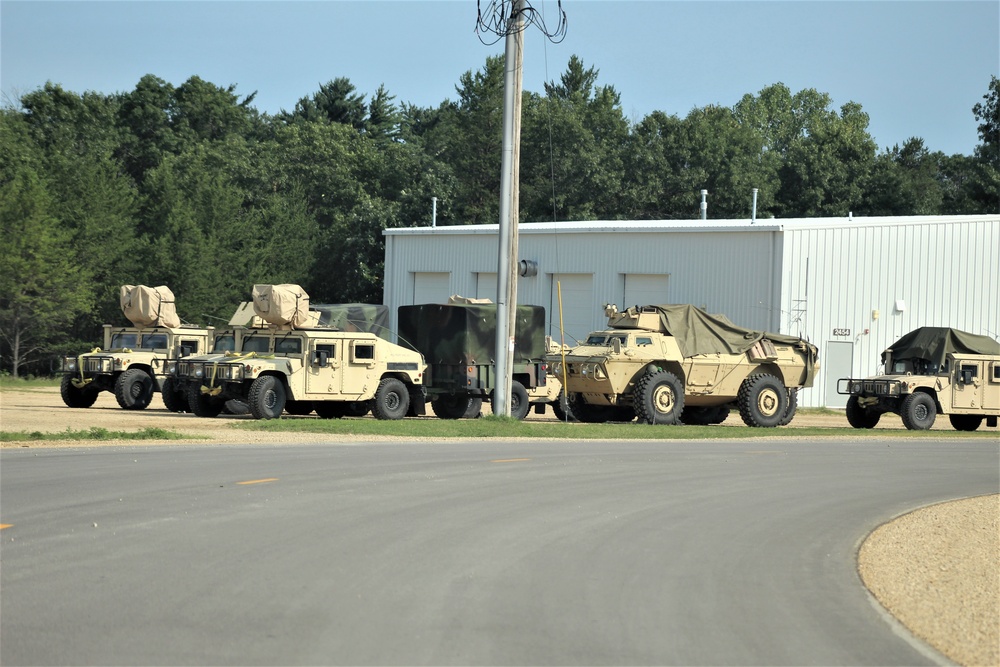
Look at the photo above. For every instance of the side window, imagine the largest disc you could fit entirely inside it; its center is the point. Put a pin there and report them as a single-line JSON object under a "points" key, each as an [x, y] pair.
{"points": [[189, 347], [324, 354], [967, 372], [643, 340], [996, 371], [363, 352]]}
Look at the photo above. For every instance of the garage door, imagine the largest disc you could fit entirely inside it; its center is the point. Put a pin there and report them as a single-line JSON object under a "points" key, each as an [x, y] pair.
{"points": [[580, 313], [431, 287], [486, 286], [644, 289]]}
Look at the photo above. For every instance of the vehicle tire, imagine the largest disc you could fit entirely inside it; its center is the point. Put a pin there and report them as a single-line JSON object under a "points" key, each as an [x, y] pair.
{"points": [[330, 409], [134, 389], [860, 417], [561, 409], [588, 413], [793, 404], [203, 405], [918, 411], [659, 398], [235, 407], [266, 397], [360, 408], [174, 399], [697, 415], [454, 406], [762, 400], [965, 422], [392, 399], [75, 397], [299, 408], [719, 415], [519, 402]]}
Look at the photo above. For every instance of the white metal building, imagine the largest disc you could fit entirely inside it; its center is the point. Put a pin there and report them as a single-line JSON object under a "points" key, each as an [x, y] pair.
{"points": [[851, 286]]}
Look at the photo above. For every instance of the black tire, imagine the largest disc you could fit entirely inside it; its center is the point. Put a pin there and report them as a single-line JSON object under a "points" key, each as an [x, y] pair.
{"points": [[659, 398], [720, 414], [965, 422], [134, 389], [455, 406], [621, 413], [561, 409], [793, 404], [762, 400], [174, 399], [860, 417], [75, 397], [703, 416], [392, 399], [203, 405], [235, 407], [299, 408], [360, 408], [330, 409], [266, 397], [918, 411], [519, 402], [588, 413]]}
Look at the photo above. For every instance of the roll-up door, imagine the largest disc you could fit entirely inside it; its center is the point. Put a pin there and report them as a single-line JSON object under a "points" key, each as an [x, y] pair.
{"points": [[431, 287], [580, 313], [644, 289]]}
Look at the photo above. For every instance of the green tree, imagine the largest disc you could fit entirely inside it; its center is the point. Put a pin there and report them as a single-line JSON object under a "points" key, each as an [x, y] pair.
{"points": [[41, 288], [984, 186]]}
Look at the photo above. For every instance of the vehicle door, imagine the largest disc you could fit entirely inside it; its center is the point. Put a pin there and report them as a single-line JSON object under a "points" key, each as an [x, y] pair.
{"points": [[360, 374], [325, 366], [967, 386]]}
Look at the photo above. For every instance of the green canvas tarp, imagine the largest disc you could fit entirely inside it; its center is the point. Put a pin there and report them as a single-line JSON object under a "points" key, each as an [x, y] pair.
{"points": [[934, 344], [466, 333], [698, 332]]}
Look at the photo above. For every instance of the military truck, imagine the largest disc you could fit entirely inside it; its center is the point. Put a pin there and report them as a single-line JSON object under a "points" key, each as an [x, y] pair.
{"points": [[132, 362], [458, 340], [671, 364], [289, 361], [930, 371]]}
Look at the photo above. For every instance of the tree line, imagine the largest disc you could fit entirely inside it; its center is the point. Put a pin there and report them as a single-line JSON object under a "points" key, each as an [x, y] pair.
{"points": [[190, 186]]}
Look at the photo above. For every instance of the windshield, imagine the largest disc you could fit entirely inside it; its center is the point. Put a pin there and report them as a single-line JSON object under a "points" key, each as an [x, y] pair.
{"points": [[225, 343], [606, 339], [123, 340], [256, 344], [157, 341]]}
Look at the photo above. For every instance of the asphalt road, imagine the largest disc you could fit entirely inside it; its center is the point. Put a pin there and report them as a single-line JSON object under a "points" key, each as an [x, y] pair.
{"points": [[550, 553]]}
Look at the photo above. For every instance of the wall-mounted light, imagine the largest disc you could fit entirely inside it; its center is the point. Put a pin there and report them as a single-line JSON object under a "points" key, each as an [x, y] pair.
{"points": [[527, 268], [900, 305]]}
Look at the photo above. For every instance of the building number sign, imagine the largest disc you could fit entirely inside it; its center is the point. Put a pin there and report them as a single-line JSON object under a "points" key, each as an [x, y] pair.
{"points": [[841, 332]]}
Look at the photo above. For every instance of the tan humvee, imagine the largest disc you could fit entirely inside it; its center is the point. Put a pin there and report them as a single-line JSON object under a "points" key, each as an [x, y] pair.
{"points": [[673, 364], [287, 361], [132, 362], [930, 371]]}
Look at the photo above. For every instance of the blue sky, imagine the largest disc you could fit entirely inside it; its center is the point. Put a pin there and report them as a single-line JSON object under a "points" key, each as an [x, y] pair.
{"points": [[916, 66]]}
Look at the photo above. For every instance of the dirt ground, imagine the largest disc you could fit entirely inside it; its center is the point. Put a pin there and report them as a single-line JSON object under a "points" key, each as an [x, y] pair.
{"points": [[936, 570]]}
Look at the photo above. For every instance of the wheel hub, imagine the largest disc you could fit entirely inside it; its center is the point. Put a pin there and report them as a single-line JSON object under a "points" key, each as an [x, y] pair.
{"points": [[663, 399], [767, 403]]}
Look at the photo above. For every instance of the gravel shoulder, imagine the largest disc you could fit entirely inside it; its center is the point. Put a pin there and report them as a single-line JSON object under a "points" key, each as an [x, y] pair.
{"points": [[936, 569]]}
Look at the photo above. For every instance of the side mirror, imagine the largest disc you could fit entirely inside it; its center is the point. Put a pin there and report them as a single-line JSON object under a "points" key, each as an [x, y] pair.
{"points": [[321, 358], [616, 345]]}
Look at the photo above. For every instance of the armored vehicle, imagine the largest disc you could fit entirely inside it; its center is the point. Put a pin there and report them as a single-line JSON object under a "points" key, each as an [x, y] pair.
{"points": [[930, 371], [678, 364], [287, 360], [458, 340], [132, 361]]}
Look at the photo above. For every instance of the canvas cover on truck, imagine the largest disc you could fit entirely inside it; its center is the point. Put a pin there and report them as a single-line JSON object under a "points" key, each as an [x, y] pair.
{"points": [[149, 306], [934, 344], [281, 304], [466, 333]]}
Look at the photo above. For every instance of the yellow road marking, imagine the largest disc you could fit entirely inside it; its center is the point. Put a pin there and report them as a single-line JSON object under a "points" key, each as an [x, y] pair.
{"points": [[259, 481], [508, 460], [5, 525]]}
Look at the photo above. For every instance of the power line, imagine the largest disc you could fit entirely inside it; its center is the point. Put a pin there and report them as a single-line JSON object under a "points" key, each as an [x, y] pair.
{"points": [[499, 20]]}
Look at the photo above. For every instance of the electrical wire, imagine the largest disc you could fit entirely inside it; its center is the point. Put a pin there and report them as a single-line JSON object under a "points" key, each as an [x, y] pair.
{"points": [[499, 19]]}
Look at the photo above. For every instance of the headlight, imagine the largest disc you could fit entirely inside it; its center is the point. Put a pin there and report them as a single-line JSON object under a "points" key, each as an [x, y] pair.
{"points": [[556, 368], [170, 368], [199, 372], [69, 363], [855, 387]]}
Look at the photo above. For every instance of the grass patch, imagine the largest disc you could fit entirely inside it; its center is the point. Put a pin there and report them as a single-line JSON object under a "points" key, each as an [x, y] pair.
{"points": [[10, 383], [491, 426], [95, 433]]}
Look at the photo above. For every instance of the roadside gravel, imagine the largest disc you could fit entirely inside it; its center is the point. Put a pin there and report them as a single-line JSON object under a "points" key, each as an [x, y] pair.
{"points": [[936, 570]]}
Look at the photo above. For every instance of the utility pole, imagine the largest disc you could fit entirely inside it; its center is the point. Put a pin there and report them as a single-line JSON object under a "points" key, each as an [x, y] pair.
{"points": [[509, 194]]}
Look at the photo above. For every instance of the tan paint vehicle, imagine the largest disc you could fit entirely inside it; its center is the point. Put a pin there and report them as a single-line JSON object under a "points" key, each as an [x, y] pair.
{"points": [[132, 362], [288, 361], [678, 364], [930, 371]]}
